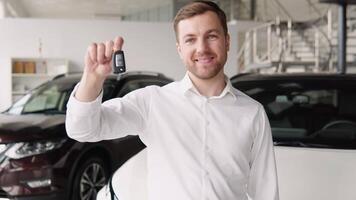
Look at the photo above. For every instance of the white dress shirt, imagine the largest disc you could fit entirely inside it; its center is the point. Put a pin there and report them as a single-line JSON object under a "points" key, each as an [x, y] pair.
{"points": [[198, 148]]}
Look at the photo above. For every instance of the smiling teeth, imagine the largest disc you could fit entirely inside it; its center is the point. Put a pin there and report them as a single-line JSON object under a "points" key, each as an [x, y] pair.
{"points": [[204, 59]]}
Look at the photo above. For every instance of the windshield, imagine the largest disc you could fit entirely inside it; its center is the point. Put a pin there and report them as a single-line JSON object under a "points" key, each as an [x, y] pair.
{"points": [[308, 113], [49, 98]]}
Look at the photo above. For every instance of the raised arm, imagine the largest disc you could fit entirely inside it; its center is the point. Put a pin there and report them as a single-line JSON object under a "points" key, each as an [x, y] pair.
{"points": [[97, 68], [87, 119]]}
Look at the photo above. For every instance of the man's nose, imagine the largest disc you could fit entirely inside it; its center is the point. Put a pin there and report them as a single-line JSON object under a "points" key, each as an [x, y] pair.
{"points": [[202, 46]]}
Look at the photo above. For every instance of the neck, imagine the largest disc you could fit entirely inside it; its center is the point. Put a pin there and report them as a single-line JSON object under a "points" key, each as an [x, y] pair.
{"points": [[209, 87]]}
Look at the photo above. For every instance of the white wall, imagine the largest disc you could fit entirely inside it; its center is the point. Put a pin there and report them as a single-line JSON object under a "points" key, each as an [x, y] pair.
{"points": [[148, 46]]}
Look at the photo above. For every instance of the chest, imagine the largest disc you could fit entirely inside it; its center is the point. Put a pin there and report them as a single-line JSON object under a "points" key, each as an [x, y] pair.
{"points": [[195, 123]]}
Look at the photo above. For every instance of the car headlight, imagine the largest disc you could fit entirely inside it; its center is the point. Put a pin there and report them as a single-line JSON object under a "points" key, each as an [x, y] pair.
{"points": [[25, 149]]}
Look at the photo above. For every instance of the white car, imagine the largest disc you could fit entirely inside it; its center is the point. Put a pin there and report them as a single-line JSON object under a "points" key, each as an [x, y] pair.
{"points": [[303, 173], [313, 120], [128, 182]]}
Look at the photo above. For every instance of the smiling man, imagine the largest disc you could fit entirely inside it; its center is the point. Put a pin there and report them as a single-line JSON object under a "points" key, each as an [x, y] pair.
{"points": [[205, 139]]}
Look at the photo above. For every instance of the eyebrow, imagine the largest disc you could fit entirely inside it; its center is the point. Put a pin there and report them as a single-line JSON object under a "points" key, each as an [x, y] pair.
{"points": [[214, 30], [188, 35], [208, 32]]}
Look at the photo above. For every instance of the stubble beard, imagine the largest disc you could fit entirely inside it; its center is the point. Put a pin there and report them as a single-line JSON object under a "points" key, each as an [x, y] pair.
{"points": [[205, 75], [206, 72]]}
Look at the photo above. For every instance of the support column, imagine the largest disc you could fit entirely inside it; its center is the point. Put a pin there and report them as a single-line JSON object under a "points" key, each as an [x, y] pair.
{"points": [[342, 37], [2, 9]]}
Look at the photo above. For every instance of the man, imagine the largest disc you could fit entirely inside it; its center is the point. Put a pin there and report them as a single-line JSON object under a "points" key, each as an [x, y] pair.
{"points": [[205, 139]]}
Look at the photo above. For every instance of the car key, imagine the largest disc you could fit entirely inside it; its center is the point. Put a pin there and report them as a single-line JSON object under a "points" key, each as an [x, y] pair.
{"points": [[118, 62]]}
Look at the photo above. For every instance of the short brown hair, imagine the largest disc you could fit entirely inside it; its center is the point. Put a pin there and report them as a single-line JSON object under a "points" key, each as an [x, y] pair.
{"points": [[196, 8]]}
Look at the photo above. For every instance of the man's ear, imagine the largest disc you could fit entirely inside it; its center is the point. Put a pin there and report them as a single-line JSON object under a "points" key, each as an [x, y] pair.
{"points": [[179, 50], [227, 42]]}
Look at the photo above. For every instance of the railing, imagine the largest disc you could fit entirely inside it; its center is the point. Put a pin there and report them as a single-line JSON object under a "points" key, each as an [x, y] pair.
{"points": [[272, 45], [251, 50]]}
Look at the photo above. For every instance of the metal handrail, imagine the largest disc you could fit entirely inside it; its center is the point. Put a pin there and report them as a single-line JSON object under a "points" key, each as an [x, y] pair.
{"points": [[326, 36], [284, 44], [250, 45]]}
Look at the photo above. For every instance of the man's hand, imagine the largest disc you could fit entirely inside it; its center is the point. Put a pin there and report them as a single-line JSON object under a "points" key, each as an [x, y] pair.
{"points": [[98, 65]]}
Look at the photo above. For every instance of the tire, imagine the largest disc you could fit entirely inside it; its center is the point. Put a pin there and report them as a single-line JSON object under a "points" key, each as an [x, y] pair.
{"points": [[89, 178]]}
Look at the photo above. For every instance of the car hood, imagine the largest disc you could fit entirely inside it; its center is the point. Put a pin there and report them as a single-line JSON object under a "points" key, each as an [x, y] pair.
{"points": [[30, 127]]}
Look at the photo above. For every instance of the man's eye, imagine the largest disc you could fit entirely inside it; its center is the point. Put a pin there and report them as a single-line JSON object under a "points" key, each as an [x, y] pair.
{"points": [[189, 41], [212, 37]]}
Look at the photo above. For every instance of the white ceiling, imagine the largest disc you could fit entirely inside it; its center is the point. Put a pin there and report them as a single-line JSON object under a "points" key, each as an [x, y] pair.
{"points": [[106, 9], [81, 8]]}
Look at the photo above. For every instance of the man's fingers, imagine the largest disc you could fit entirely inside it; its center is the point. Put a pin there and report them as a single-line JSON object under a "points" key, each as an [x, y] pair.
{"points": [[101, 53], [118, 43], [109, 49], [92, 52]]}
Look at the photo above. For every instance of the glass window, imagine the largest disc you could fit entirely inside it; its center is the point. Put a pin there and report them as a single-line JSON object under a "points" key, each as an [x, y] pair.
{"points": [[50, 97], [308, 114]]}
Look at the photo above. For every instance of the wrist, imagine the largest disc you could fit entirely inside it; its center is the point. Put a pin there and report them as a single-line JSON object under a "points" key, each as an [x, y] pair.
{"points": [[89, 88]]}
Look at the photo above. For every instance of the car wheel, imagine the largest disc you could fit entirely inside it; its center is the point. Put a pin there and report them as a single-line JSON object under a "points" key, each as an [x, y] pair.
{"points": [[90, 177]]}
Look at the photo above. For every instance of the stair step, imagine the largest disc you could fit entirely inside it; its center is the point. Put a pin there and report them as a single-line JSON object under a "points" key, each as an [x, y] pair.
{"points": [[296, 48], [259, 65], [349, 58], [350, 49], [307, 59], [300, 40], [350, 40], [335, 33], [301, 45], [307, 34], [304, 54]]}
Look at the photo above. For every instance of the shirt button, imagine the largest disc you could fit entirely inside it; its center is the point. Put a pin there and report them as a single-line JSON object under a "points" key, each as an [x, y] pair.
{"points": [[207, 148], [206, 173]]}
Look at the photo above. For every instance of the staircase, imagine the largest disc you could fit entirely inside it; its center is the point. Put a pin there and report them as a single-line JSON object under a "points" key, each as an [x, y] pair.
{"points": [[287, 46]]}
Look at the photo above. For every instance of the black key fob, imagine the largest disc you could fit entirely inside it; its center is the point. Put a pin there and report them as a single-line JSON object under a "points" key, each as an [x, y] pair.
{"points": [[118, 62]]}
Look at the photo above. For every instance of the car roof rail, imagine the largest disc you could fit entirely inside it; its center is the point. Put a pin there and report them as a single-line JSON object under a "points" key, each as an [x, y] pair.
{"points": [[59, 76], [242, 74], [150, 73]]}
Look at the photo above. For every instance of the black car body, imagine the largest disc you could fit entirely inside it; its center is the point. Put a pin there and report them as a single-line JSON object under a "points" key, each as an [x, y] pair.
{"points": [[39, 161]]}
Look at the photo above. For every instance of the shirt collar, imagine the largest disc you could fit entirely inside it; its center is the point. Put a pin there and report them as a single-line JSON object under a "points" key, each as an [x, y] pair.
{"points": [[187, 85]]}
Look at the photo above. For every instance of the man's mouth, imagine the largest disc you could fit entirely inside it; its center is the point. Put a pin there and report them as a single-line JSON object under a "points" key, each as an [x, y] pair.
{"points": [[204, 60]]}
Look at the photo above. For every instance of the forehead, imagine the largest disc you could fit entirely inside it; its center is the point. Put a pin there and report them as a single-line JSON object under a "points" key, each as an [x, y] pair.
{"points": [[199, 24]]}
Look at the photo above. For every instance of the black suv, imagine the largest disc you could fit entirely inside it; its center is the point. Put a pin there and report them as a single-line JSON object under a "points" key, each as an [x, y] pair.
{"points": [[39, 161]]}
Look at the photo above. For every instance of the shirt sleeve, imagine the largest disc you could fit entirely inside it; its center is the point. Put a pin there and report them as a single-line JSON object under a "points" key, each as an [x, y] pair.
{"points": [[263, 184], [115, 118]]}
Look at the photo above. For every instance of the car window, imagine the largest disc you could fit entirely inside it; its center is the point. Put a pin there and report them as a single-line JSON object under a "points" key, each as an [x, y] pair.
{"points": [[306, 113], [47, 99], [136, 84], [108, 90]]}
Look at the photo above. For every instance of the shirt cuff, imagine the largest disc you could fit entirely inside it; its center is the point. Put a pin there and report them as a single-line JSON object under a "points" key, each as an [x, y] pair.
{"points": [[81, 108]]}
